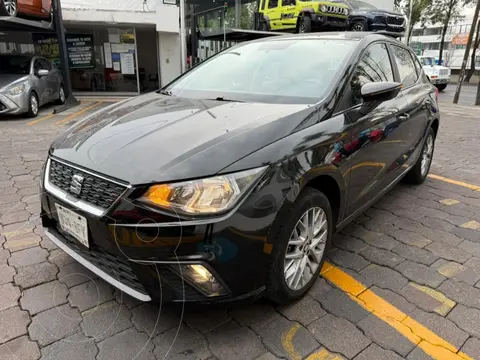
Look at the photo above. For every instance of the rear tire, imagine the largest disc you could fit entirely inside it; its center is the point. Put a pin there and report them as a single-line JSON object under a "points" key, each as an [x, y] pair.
{"points": [[305, 25], [441, 87], [33, 105], [419, 172], [283, 286], [8, 8]]}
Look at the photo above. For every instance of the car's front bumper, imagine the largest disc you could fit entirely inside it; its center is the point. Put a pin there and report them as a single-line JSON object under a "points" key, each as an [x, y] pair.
{"points": [[143, 252], [440, 80], [13, 104]]}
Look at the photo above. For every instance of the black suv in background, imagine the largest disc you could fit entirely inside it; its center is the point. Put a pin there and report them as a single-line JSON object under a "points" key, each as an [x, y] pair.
{"points": [[366, 17]]}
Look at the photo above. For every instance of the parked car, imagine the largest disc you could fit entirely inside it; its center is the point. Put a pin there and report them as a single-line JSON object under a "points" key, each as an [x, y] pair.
{"points": [[39, 9], [438, 75], [366, 17], [301, 16], [28, 82], [229, 184]]}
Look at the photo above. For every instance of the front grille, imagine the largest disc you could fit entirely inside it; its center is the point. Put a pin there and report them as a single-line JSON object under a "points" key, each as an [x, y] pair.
{"points": [[95, 191], [395, 20], [335, 9], [443, 72], [117, 267]]}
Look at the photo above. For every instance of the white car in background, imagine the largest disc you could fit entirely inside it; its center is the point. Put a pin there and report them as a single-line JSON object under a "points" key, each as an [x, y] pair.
{"points": [[437, 74]]}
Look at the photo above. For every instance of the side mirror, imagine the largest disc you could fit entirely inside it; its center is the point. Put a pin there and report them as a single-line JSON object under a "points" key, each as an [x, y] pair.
{"points": [[375, 93], [42, 72]]}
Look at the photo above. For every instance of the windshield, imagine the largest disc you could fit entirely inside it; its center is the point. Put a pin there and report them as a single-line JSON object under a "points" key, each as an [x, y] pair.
{"points": [[12, 64], [360, 5], [274, 71], [427, 61]]}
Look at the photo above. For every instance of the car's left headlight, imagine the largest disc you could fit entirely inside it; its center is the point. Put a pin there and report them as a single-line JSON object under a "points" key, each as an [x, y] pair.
{"points": [[211, 195], [16, 90], [323, 8]]}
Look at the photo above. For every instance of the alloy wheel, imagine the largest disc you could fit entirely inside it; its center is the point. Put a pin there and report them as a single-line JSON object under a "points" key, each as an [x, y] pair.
{"points": [[62, 95], [427, 155], [357, 27], [10, 7], [34, 104], [305, 248], [302, 27]]}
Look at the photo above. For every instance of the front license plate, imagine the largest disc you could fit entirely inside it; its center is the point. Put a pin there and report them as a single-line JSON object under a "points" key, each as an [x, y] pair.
{"points": [[73, 224]]}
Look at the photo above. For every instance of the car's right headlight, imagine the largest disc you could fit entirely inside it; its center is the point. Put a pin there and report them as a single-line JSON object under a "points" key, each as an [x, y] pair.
{"points": [[16, 90], [211, 195], [323, 8]]}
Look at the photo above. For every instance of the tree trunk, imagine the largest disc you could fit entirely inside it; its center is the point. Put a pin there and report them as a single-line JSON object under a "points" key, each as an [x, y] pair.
{"points": [[476, 44], [442, 43], [465, 56], [410, 34], [444, 31]]}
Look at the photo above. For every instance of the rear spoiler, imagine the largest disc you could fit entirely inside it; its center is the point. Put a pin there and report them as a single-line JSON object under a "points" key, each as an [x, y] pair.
{"points": [[393, 34]]}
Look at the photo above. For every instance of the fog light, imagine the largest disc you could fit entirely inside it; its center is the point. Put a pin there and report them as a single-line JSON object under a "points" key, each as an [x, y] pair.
{"points": [[201, 278]]}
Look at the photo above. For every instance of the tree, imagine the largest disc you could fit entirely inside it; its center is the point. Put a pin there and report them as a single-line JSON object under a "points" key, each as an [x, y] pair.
{"points": [[467, 52], [445, 12], [476, 45], [418, 14]]}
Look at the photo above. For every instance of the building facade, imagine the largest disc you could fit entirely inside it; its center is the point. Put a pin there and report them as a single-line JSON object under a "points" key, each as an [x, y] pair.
{"points": [[113, 47]]}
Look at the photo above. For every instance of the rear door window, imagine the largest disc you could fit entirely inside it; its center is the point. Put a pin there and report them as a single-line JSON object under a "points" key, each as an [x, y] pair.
{"points": [[405, 65]]}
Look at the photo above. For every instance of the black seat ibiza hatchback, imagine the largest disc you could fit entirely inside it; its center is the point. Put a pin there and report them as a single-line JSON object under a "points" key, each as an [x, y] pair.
{"points": [[230, 181]]}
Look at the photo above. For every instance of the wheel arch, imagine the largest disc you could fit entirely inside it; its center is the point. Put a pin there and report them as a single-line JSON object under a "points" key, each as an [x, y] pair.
{"points": [[435, 125]]}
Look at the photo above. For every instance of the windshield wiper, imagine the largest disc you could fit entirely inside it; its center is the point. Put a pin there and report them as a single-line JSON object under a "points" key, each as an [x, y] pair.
{"points": [[221, 98]]}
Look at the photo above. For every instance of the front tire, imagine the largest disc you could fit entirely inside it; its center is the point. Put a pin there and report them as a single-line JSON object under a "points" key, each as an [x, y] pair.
{"points": [[300, 247], [419, 172], [305, 25], [61, 95], [441, 87], [33, 105], [359, 26], [8, 8]]}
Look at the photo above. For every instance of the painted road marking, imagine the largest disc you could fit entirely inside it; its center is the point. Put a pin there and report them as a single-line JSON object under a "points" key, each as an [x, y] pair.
{"points": [[41, 119], [455, 182], [424, 338], [70, 117], [473, 225], [449, 202], [287, 343], [447, 304]]}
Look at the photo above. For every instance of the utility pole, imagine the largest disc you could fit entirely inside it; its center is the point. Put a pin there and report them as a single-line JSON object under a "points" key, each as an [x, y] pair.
{"points": [[407, 34], [467, 54], [70, 100], [183, 37]]}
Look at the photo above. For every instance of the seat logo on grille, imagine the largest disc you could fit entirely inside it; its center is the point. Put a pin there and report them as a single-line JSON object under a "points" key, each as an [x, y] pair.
{"points": [[76, 184]]}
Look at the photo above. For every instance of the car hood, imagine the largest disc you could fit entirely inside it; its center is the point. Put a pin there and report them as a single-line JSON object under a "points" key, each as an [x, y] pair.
{"points": [[8, 79], [376, 12], [155, 138]]}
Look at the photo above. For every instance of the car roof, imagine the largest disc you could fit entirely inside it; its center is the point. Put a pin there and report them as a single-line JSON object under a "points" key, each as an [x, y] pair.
{"points": [[343, 35]]}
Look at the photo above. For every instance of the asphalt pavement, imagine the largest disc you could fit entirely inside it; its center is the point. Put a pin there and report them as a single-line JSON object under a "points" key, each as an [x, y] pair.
{"points": [[467, 94]]}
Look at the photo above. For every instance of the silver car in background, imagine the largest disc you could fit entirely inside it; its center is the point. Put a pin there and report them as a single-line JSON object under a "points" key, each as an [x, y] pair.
{"points": [[28, 82]]}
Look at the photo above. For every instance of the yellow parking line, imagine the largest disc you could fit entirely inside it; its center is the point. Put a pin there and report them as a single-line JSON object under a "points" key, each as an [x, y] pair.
{"points": [[455, 182], [70, 117], [427, 340], [41, 119]]}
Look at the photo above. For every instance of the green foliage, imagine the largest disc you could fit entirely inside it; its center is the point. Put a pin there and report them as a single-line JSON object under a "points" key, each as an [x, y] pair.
{"points": [[446, 11]]}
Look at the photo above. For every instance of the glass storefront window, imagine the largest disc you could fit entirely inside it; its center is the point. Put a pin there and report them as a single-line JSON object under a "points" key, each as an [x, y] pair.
{"points": [[113, 65]]}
